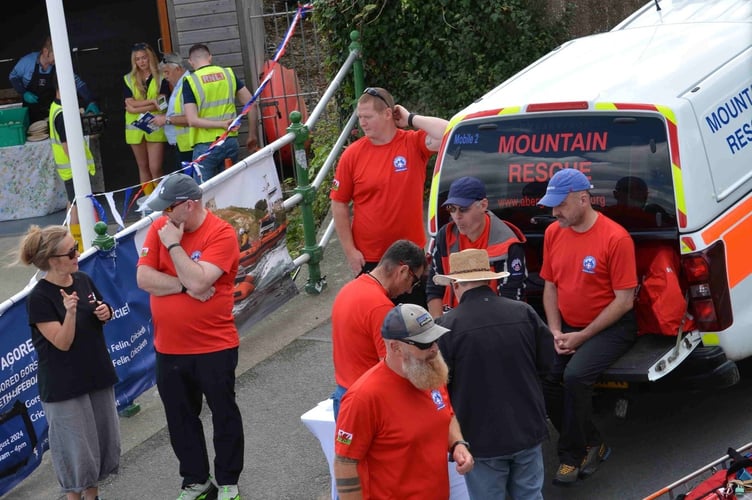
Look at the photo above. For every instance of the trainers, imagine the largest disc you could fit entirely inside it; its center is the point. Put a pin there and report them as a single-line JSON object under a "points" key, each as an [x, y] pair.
{"points": [[595, 455], [199, 491], [228, 492], [566, 474]]}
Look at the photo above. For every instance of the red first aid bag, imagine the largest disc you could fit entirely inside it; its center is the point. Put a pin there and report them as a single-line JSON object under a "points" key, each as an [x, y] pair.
{"points": [[660, 305], [723, 483]]}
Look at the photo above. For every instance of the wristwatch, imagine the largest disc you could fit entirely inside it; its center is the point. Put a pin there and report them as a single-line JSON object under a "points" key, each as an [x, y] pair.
{"points": [[167, 121], [454, 445]]}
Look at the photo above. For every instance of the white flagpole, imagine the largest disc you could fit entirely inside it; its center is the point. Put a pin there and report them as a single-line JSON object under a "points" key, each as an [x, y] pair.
{"points": [[72, 117]]}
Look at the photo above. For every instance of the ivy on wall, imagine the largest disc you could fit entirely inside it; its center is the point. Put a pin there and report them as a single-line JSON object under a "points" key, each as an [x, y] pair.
{"points": [[438, 56]]}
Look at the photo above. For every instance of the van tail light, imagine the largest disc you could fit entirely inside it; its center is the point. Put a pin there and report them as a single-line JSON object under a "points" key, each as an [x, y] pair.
{"points": [[707, 282], [557, 106]]}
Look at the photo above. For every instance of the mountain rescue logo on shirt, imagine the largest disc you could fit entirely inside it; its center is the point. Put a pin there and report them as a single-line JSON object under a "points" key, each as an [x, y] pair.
{"points": [[438, 399], [400, 164], [196, 255], [588, 264], [144, 251], [344, 437], [335, 185]]}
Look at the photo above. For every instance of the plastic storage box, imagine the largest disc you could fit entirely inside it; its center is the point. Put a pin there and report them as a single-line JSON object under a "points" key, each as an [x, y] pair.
{"points": [[13, 125]]}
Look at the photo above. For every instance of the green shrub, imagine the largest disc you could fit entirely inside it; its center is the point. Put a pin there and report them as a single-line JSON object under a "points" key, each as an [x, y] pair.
{"points": [[437, 57]]}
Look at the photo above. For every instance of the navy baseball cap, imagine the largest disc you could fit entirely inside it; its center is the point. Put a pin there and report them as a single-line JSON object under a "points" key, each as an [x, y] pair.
{"points": [[464, 191], [561, 184]]}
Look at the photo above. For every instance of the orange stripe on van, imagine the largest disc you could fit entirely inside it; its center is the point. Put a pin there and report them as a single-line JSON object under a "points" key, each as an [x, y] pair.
{"points": [[724, 223], [737, 248]]}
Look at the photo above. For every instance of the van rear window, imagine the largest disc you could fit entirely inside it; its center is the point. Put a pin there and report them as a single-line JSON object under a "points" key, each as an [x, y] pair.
{"points": [[624, 155]]}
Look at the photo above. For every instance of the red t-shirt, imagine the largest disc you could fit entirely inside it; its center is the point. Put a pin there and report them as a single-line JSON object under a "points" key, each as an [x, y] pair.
{"points": [[385, 184], [357, 315], [182, 324], [481, 243], [587, 267], [399, 435]]}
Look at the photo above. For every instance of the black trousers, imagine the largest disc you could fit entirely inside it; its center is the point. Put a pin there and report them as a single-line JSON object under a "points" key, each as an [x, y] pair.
{"points": [[183, 381], [568, 389]]}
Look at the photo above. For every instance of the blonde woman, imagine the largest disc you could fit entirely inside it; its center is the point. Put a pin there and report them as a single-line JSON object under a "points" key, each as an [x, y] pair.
{"points": [[144, 88], [76, 378]]}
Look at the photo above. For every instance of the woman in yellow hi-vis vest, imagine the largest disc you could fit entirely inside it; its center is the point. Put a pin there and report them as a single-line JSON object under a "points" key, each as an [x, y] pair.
{"points": [[146, 90], [59, 144]]}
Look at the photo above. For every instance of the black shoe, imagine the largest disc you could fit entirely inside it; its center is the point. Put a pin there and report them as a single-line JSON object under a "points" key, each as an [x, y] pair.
{"points": [[591, 462]]}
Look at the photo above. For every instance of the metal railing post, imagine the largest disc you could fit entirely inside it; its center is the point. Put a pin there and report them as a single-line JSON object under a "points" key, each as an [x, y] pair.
{"points": [[315, 283], [102, 240], [358, 74]]}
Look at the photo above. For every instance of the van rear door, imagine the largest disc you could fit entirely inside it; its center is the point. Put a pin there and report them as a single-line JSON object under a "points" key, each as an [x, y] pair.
{"points": [[625, 153]]}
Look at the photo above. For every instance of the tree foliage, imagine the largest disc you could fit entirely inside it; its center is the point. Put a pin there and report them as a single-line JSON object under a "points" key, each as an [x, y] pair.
{"points": [[438, 56]]}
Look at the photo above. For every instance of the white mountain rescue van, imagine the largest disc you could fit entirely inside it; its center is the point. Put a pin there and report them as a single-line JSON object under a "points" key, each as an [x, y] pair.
{"points": [[664, 97]]}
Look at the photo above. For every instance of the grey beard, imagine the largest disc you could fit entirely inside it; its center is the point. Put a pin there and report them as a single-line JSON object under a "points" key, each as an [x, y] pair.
{"points": [[426, 375]]}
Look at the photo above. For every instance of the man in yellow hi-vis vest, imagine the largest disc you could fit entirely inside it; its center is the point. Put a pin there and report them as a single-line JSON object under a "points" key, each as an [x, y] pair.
{"points": [[59, 144], [209, 99], [174, 120]]}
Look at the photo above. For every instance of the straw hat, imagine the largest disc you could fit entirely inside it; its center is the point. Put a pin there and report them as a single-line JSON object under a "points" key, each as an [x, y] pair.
{"points": [[38, 131], [37, 127], [468, 265]]}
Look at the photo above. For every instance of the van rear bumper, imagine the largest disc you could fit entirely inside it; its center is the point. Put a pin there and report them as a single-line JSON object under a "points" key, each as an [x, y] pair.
{"points": [[703, 368], [706, 368]]}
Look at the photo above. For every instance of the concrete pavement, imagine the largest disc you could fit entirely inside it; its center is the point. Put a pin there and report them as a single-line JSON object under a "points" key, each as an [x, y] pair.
{"points": [[284, 370]]}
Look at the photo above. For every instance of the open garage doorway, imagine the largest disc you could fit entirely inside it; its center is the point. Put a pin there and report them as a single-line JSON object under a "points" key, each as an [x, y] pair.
{"points": [[101, 34]]}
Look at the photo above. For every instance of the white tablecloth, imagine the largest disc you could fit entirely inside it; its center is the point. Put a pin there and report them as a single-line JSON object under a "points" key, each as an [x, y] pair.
{"points": [[29, 184], [320, 421]]}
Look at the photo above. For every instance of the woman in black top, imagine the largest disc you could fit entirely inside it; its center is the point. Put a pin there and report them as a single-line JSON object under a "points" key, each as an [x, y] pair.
{"points": [[76, 375]]}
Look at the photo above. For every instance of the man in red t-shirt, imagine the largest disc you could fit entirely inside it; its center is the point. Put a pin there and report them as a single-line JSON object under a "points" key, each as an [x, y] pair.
{"points": [[359, 310], [383, 174], [188, 264], [397, 425], [590, 279]]}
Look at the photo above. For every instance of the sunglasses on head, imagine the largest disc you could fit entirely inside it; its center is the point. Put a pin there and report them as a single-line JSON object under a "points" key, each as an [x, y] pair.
{"points": [[173, 206], [420, 345], [372, 91], [71, 253], [454, 208], [139, 46]]}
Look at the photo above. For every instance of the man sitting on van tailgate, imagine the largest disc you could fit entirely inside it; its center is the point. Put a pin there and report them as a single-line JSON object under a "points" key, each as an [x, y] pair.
{"points": [[474, 226], [590, 272]]}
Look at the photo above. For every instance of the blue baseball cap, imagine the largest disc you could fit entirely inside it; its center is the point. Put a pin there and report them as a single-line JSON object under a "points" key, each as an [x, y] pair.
{"points": [[464, 191], [561, 184]]}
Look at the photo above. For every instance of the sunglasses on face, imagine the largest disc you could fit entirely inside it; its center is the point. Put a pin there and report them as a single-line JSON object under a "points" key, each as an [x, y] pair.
{"points": [[372, 91], [71, 254], [173, 206], [415, 277], [454, 208], [419, 345]]}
